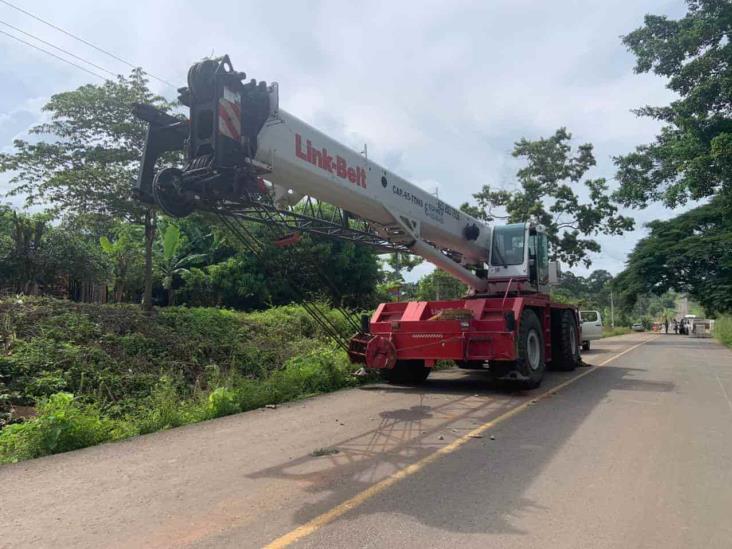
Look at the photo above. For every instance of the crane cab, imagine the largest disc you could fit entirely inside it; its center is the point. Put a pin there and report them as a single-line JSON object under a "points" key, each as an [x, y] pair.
{"points": [[519, 257]]}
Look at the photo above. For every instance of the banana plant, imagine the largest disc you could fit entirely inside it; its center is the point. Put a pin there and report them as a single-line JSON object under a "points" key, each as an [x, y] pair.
{"points": [[174, 261], [124, 251]]}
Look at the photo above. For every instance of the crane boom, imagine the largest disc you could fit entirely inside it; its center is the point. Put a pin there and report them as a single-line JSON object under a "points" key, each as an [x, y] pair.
{"points": [[241, 132], [307, 162]]}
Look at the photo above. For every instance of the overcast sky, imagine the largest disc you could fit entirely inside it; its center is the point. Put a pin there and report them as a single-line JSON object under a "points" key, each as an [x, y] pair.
{"points": [[439, 91]]}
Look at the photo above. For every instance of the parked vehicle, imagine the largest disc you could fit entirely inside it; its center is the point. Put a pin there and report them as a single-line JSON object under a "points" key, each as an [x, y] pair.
{"points": [[637, 327], [701, 327], [591, 327]]}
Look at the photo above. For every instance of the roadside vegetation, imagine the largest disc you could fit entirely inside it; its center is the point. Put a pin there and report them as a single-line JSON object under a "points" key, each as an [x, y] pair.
{"points": [[723, 330], [95, 373], [607, 331]]}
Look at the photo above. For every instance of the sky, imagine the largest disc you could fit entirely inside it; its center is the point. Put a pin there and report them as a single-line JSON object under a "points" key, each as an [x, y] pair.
{"points": [[439, 91]]}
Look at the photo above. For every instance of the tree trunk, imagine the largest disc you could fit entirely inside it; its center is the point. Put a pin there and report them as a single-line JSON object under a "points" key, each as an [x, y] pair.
{"points": [[118, 291], [150, 226]]}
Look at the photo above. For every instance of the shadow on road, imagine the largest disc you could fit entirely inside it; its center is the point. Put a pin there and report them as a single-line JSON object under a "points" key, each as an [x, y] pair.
{"points": [[486, 478], [399, 437]]}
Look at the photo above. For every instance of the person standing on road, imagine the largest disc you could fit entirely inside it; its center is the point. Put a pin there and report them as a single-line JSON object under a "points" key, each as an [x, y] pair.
{"points": [[665, 324], [676, 326]]}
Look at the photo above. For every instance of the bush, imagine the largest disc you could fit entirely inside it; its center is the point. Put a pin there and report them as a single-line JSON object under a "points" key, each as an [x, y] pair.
{"points": [[223, 401], [319, 371], [608, 331], [62, 424], [163, 410], [115, 355], [133, 373], [723, 330]]}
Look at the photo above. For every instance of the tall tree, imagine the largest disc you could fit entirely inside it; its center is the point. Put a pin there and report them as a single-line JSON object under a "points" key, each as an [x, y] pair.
{"points": [[398, 263], [591, 292], [691, 253], [691, 158], [440, 285], [27, 236], [36, 256], [84, 161], [546, 192]]}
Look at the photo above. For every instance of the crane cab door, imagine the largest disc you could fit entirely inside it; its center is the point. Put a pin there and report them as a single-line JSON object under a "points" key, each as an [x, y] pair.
{"points": [[520, 252], [538, 259]]}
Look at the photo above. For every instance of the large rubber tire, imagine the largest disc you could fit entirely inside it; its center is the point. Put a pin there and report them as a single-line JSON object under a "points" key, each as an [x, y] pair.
{"points": [[565, 349], [407, 372], [531, 363]]}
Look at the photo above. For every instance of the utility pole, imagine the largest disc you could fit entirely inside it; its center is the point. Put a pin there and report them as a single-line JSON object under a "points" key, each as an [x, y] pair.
{"points": [[612, 311]]}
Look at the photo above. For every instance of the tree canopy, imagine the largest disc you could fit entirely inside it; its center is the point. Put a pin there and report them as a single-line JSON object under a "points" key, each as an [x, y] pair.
{"points": [[233, 277], [439, 285], [691, 158], [547, 192], [691, 253], [84, 161]]}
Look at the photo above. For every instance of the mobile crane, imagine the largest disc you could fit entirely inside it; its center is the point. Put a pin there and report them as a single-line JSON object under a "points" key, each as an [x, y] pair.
{"points": [[245, 157]]}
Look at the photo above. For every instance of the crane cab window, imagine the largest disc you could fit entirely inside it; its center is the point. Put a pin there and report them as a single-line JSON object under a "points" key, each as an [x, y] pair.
{"points": [[541, 256], [508, 245]]}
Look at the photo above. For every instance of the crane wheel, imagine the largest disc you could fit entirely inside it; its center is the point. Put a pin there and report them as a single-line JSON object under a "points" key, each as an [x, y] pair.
{"points": [[168, 194], [406, 372], [565, 348], [528, 370]]}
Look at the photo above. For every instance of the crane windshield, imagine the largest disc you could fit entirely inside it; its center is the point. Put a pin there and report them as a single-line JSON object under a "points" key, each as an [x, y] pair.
{"points": [[508, 245]]}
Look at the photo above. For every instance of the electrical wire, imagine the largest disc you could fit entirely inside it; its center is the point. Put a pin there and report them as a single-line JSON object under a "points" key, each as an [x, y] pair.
{"points": [[113, 56], [56, 47], [54, 55]]}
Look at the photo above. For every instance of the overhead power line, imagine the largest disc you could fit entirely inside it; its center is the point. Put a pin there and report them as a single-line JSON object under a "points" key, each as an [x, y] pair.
{"points": [[56, 47], [67, 33], [53, 55]]}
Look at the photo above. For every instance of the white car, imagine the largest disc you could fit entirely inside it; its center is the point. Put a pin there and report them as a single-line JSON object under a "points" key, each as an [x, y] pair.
{"points": [[591, 327]]}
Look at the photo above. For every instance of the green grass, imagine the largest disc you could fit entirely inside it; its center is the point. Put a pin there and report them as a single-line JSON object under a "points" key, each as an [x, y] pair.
{"points": [[607, 331], [723, 330], [99, 373]]}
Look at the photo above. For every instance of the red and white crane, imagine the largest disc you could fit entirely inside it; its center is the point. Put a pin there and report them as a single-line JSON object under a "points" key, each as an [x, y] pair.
{"points": [[247, 157]]}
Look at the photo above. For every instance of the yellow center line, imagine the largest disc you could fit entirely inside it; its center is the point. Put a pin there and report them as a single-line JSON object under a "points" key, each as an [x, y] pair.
{"points": [[342, 508]]}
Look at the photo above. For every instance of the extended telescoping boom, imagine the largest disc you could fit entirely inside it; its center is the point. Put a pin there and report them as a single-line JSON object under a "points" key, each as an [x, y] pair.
{"points": [[245, 154]]}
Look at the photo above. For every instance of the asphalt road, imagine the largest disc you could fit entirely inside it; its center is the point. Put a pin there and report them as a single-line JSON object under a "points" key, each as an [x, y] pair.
{"points": [[634, 453]]}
